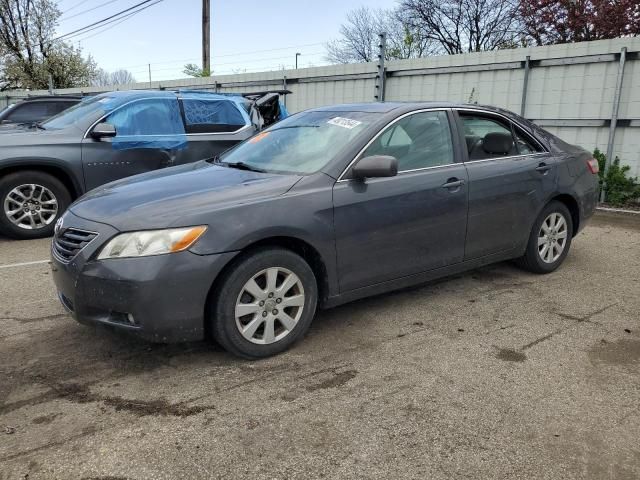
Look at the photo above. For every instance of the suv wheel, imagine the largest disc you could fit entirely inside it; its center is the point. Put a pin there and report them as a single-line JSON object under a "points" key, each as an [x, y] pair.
{"points": [[550, 239], [30, 204], [265, 303]]}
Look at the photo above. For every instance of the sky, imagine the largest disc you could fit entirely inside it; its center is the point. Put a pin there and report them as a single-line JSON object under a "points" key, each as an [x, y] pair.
{"points": [[246, 35]]}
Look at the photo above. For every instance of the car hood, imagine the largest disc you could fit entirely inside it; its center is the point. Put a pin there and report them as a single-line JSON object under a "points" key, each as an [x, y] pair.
{"points": [[14, 135], [178, 196]]}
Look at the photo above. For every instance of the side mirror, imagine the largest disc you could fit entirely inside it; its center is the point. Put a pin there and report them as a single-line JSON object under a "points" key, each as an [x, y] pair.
{"points": [[375, 166], [103, 130]]}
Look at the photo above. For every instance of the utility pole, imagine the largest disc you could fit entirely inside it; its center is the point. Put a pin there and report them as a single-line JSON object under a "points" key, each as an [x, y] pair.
{"points": [[149, 75], [206, 37]]}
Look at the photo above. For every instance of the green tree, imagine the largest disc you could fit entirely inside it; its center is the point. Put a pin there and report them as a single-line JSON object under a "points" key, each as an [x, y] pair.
{"points": [[194, 70], [29, 52]]}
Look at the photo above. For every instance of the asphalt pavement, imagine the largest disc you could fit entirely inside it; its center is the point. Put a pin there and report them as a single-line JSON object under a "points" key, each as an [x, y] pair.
{"points": [[491, 374]]}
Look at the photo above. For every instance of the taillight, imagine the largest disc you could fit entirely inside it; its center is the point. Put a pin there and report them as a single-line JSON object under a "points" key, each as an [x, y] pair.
{"points": [[592, 163]]}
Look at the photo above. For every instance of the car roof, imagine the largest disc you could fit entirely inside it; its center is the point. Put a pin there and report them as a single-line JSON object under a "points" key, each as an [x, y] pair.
{"points": [[133, 94], [386, 107], [52, 97]]}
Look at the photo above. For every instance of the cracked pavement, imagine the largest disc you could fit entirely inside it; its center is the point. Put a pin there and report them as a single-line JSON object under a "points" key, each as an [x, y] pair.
{"points": [[495, 373]]}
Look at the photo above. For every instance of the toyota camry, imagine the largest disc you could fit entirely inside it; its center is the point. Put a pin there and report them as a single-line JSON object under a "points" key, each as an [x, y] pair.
{"points": [[325, 207]]}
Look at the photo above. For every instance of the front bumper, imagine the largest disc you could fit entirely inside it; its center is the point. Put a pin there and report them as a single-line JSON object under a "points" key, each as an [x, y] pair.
{"points": [[159, 298]]}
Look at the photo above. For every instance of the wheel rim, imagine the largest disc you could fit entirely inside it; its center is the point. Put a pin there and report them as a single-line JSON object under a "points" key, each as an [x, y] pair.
{"points": [[31, 206], [552, 238], [269, 305]]}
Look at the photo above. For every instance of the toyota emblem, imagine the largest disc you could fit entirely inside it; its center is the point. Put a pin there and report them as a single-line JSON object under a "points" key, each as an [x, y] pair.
{"points": [[58, 227]]}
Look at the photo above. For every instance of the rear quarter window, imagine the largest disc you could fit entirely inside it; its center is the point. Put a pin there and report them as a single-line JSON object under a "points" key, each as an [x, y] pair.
{"points": [[211, 116]]}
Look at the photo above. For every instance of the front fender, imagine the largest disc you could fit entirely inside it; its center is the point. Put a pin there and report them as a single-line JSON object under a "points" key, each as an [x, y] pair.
{"points": [[305, 214]]}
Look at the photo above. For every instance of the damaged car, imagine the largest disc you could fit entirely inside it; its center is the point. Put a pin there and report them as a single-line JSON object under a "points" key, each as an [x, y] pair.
{"points": [[114, 135], [328, 206]]}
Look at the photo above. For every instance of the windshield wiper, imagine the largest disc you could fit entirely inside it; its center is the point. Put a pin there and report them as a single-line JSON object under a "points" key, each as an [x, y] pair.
{"points": [[294, 126], [37, 125], [243, 166]]}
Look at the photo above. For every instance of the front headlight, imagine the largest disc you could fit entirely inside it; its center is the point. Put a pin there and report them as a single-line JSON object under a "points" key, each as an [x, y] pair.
{"points": [[151, 242]]}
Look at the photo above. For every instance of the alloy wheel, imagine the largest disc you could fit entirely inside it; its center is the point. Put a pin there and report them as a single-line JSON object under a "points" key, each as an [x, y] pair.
{"points": [[31, 206], [269, 305], [552, 237]]}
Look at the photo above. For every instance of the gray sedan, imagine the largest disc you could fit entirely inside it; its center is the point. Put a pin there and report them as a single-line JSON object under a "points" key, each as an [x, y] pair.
{"points": [[327, 206]]}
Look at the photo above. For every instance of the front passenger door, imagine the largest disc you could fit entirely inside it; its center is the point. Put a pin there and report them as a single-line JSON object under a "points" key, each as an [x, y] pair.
{"points": [[387, 228], [149, 135]]}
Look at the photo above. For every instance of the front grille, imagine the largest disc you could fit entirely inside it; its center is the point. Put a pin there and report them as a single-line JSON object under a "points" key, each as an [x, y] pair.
{"points": [[70, 242]]}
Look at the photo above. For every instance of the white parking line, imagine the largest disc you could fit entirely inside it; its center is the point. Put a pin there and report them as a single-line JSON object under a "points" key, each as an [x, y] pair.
{"points": [[24, 264]]}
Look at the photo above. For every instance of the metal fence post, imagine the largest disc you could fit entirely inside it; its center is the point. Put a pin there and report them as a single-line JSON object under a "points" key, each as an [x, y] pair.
{"points": [[525, 85], [284, 87], [614, 117], [382, 47]]}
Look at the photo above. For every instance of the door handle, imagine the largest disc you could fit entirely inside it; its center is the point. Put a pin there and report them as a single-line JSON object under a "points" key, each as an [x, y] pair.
{"points": [[453, 183], [543, 168]]}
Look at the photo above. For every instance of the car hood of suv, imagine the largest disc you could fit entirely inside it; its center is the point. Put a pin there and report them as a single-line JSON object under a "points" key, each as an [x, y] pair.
{"points": [[177, 196], [20, 135]]}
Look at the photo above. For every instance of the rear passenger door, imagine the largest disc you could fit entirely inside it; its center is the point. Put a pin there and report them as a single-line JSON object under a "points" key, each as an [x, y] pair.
{"points": [[212, 126], [507, 186]]}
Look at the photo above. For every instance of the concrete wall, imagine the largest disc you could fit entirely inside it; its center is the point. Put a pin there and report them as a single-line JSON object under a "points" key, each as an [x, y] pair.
{"points": [[570, 87]]}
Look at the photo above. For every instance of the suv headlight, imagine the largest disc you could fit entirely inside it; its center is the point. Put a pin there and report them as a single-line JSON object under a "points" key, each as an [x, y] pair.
{"points": [[151, 242]]}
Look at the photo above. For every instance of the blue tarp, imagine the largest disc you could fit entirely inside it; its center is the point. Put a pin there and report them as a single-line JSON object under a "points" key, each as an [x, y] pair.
{"points": [[149, 123], [200, 111], [227, 107], [284, 113], [153, 119]]}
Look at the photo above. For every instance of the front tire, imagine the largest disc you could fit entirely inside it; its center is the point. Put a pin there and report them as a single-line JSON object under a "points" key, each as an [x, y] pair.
{"points": [[30, 204], [264, 303], [550, 239]]}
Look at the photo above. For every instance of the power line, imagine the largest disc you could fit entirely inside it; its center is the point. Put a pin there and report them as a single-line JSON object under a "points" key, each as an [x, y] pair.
{"points": [[114, 20], [232, 63], [237, 54], [88, 10], [109, 27], [99, 22], [75, 5]]}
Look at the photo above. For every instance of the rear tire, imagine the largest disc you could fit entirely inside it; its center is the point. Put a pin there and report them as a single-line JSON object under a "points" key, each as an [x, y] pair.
{"points": [[264, 303], [30, 204], [549, 241]]}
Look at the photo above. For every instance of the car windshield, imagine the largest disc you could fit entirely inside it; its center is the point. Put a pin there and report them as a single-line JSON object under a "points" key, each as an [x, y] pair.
{"points": [[71, 116], [301, 144]]}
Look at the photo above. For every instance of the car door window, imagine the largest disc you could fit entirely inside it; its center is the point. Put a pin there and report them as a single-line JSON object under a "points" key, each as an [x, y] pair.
{"points": [[148, 117], [57, 107], [28, 112], [481, 133], [211, 116], [420, 140], [524, 144]]}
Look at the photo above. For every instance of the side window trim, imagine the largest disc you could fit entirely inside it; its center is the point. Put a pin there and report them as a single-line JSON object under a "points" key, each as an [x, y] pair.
{"points": [[453, 135]]}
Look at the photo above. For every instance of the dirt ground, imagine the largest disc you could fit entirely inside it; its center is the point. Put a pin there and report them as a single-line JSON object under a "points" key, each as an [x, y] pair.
{"points": [[493, 374]]}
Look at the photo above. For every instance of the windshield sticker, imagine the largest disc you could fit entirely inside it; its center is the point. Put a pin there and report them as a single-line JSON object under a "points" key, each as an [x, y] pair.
{"points": [[344, 122], [259, 137]]}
